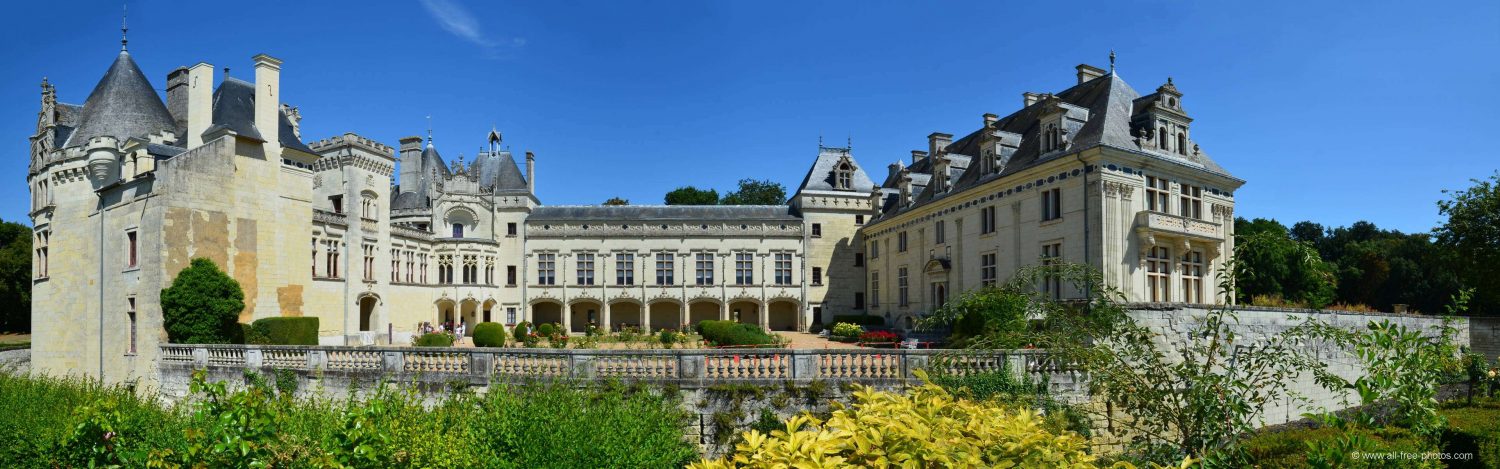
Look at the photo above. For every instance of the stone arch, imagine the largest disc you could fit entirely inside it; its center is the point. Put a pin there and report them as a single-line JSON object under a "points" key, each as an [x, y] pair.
{"points": [[447, 310], [546, 311], [369, 310], [703, 310], [582, 312], [783, 315], [489, 310], [461, 221], [626, 313], [745, 310], [468, 313], [664, 314]]}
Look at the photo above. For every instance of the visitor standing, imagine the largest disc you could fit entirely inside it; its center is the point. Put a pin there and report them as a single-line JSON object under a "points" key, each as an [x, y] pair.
{"points": [[460, 331]]}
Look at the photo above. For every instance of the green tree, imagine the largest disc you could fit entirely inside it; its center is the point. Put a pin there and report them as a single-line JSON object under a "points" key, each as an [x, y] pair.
{"points": [[202, 306], [1472, 231], [1271, 263], [756, 192], [995, 314], [617, 201], [15, 277], [689, 195]]}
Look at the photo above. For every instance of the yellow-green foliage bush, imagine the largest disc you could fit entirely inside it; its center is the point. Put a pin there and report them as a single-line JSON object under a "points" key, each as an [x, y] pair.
{"points": [[926, 427]]}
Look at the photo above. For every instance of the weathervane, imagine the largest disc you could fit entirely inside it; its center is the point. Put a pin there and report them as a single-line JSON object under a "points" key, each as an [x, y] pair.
{"points": [[124, 14], [1111, 61]]}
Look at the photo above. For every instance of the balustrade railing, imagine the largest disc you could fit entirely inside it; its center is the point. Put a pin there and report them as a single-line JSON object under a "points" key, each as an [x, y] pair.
{"points": [[687, 367]]}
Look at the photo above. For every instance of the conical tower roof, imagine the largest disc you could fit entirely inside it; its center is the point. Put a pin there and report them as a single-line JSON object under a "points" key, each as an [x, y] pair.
{"points": [[122, 105]]}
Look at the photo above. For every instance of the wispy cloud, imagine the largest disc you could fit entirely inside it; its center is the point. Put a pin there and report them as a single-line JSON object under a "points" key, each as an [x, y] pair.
{"points": [[459, 21]]}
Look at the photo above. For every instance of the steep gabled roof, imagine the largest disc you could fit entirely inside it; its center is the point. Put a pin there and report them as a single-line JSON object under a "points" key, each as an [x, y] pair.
{"points": [[234, 109], [822, 176], [122, 105], [498, 170]]}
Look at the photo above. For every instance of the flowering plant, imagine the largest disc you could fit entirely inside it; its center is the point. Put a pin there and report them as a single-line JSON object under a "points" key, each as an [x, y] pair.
{"points": [[879, 336]]}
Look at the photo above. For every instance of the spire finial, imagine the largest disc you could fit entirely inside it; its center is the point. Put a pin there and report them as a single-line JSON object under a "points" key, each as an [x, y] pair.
{"points": [[429, 130], [1111, 61], [124, 14]]}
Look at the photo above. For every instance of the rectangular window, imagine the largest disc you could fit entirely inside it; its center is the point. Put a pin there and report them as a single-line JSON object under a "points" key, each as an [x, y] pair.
{"points": [[940, 232], [332, 248], [901, 242], [987, 269], [369, 262], [987, 220], [1192, 277], [874, 289], [395, 266], [783, 268], [510, 316], [510, 275], [1156, 194], [1052, 283], [1159, 273], [40, 263], [510, 229], [817, 230], [817, 275], [130, 314], [859, 259], [744, 268], [859, 219], [585, 269], [874, 249], [1191, 202], [131, 256], [424, 267], [624, 268], [338, 203], [665, 268], [901, 294], [1051, 204], [705, 269], [546, 269], [859, 300]]}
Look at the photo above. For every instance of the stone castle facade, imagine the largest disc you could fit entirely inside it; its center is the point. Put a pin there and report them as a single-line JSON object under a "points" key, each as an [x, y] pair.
{"points": [[128, 188]]}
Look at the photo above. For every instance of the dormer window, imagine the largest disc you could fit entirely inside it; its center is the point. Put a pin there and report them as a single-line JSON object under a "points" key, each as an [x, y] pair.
{"points": [[1181, 143], [1051, 137], [1162, 138], [844, 176]]}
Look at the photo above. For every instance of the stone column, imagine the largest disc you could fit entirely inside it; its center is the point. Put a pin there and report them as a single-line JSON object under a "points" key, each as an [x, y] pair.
{"points": [[763, 314], [604, 316]]}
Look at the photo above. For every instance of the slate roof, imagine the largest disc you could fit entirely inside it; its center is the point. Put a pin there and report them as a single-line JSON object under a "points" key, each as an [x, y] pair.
{"points": [[1111, 105], [408, 201], [234, 109], [67, 121], [498, 170], [122, 105], [663, 213], [821, 176]]}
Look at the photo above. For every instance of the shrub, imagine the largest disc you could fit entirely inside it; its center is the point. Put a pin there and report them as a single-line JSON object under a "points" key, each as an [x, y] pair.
{"points": [[546, 329], [846, 330], [667, 337], [202, 306], [435, 339], [879, 337], [287, 331], [521, 330], [881, 429], [251, 336], [733, 333], [489, 334], [859, 319]]}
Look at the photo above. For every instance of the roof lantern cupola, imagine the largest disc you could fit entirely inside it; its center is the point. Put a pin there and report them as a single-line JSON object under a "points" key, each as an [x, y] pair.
{"points": [[1162, 121]]}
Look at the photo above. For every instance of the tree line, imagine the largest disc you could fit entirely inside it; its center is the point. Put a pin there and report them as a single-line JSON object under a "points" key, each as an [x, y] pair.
{"points": [[1362, 266], [750, 192]]}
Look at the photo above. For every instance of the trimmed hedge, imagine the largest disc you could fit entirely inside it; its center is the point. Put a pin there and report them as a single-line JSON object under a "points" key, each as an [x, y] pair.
{"points": [[489, 334], [519, 332], [859, 319], [248, 335], [286, 331], [733, 333], [435, 339]]}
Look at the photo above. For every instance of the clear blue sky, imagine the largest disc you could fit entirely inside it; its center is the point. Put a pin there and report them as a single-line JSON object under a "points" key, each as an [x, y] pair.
{"points": [[1333, 113]]}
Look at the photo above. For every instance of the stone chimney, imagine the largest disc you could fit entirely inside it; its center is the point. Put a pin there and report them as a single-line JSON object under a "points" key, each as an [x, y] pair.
{"points": [[940, 173], [917, 155], [905, 186], [177, 91], [893, 169], [1088, 72], [530, 172], [1030, 98], [411, 163], [268, 101], [990, 119], [200, 102], [937, 143]]}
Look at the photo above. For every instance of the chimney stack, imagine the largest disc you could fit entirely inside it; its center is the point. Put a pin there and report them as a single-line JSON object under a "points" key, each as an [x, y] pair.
{"points": [[1088, 72], [917, 155], [937, 143], [268, 101], [530, 172], [411, 163], [200, 102], [990, 119], [1030, 98], [177, 98], [893, 169]]}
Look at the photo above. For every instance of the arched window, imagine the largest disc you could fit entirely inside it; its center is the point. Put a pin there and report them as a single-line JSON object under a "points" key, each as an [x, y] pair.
{"points": [[844, 176], [1162, 133], [1182, 143]]}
